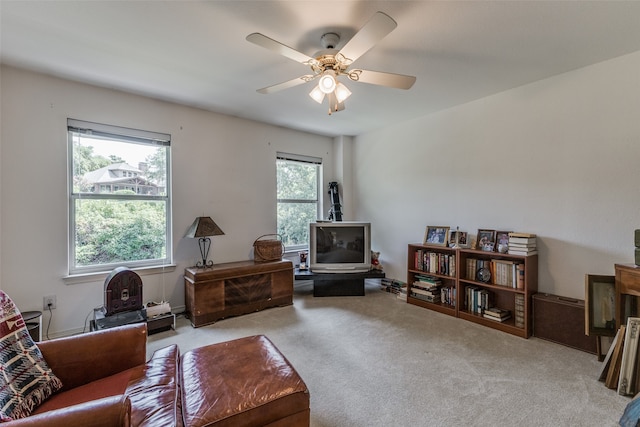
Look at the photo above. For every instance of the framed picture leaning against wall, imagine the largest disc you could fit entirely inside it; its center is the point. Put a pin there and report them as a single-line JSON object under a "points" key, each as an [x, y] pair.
{"points": [[600, 305]]}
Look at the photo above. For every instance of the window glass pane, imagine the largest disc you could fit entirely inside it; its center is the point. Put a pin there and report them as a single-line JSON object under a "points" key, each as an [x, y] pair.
{"points": [[102, 165], [298, 181], [293, 222], [297, 201], [113, 231]]}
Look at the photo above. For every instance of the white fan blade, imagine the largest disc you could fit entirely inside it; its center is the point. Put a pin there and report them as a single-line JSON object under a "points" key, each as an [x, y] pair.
{"points": [[268, 43], [371, 33], [398, 81], [286, 85]]}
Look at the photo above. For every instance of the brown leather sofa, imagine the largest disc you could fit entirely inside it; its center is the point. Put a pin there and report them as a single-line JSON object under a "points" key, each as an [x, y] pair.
{"points": [[107, 382]]}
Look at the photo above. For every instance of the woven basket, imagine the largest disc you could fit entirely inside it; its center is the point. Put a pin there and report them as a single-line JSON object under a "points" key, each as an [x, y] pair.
{"points": [[268, 249]]}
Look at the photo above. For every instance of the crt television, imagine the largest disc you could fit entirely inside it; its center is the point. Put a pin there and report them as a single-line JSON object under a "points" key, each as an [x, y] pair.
{"points": [[340, 247]]}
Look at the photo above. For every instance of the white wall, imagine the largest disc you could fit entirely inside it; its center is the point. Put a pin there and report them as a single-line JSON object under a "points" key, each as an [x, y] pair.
{"points": [[559, 157], [223, 167], [343, 146]]}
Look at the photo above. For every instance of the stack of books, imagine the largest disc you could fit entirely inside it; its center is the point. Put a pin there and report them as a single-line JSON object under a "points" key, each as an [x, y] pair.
{"points": [[392, 285], [402, 295], [522, 244], [426, 288], [497, 314], [519, 304]]}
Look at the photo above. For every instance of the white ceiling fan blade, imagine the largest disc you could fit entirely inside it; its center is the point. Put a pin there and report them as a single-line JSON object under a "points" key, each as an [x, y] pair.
{"points": [[371, 33], [286, 85], [398, 81], [277, 47]]}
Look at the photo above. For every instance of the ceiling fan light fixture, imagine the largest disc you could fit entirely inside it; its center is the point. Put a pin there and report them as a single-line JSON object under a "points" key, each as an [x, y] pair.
{"points": [[342, 92], [327, 82], [317, 95]]}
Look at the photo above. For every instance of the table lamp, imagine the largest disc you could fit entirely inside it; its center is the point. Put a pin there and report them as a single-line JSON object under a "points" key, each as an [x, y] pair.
{"points": [[202, 228]]}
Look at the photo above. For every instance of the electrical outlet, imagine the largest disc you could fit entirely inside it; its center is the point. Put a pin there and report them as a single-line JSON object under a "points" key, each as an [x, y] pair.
{"points": [[49, 302]]}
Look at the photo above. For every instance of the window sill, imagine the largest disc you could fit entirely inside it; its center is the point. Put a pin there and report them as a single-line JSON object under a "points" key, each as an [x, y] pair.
{"points": [[74, 279]]}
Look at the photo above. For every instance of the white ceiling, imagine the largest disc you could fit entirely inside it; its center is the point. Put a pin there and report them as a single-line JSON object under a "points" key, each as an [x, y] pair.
{"points": [[195, 52]]}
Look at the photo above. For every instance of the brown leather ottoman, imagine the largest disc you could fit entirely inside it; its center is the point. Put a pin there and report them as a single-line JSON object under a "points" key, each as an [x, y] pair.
{"points": [[244, 382]]}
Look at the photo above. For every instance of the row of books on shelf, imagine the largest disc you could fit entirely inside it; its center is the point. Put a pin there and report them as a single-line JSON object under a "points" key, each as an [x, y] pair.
{"points": [[522, 244], [479, 301], [621, 366], [502, 272], [431, 288], [435, 262], [437, 294]]}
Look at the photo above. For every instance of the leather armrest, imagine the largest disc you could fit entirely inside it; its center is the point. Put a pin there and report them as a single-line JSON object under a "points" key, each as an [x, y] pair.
{"points": [[80, 359], [114, 411]]}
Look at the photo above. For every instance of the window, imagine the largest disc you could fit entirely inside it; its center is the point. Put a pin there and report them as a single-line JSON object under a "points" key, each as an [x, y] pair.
{"points": [[115, 218], [299, 179]]}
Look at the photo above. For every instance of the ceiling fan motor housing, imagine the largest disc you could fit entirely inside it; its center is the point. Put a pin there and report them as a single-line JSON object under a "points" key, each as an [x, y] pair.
{"points": [[330, 40]]}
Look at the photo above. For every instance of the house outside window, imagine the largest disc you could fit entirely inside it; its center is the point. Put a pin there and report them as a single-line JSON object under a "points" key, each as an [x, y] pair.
{"points": [[298, 198], [119, 197]]}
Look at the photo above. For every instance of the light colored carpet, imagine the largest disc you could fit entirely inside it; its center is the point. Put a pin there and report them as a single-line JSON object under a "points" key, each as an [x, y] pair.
{"points": [[377, 361]]}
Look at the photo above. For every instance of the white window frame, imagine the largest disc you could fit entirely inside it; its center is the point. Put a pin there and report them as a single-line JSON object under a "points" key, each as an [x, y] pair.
{"points": [[134, 136], [318, 201]]}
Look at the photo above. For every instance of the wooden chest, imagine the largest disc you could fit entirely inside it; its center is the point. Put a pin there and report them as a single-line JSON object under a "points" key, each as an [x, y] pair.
{"points": [[235, 288]]}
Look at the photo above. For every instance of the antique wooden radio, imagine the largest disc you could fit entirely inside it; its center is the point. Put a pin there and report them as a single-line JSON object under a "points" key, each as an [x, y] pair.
{"points": [[122, 291]]}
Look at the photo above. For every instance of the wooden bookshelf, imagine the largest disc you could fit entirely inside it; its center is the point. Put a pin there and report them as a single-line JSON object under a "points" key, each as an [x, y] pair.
{"points": [[502, 289], [501, 295], [435, 261]]}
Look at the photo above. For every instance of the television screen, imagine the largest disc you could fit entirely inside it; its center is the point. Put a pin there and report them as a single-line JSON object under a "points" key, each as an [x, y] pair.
{"points": [[340, 244], [340, 247]]}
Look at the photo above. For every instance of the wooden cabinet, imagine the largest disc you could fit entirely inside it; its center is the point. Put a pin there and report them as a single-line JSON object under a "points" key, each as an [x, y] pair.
{"points": [[627, 291], [506, 281], [438, 262], [235, 288]]}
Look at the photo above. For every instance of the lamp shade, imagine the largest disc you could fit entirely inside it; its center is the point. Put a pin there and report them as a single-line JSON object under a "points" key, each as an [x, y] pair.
{"points": [[327, 82], [204, 226], [342, 92], [317, 94]]}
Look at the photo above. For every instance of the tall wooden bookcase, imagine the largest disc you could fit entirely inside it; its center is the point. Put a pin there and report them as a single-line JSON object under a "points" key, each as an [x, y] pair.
{"points": [[502, 288]]}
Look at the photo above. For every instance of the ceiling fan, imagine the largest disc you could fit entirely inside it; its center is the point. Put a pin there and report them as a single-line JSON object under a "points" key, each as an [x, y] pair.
{"points": [[329, 64]]}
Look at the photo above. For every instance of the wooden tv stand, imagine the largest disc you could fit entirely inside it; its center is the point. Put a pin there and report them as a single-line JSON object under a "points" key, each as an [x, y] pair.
{"points": [[235, 288], [338, 284]]}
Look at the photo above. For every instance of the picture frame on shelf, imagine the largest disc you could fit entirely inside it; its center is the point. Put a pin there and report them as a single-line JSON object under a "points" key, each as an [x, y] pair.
{"points": [[502, 241], [486, 240], [600, 305], [436, 235], [462, 239]]}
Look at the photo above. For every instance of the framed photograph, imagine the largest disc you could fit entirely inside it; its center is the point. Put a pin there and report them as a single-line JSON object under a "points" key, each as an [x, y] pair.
{"points": [[486, 240], [462, 236], [502, 241], [436, 235], [600, 305]]}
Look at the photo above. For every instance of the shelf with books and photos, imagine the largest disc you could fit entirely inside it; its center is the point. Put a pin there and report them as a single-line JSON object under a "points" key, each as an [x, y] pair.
{"points": [[495, 289], [431, 277]]}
